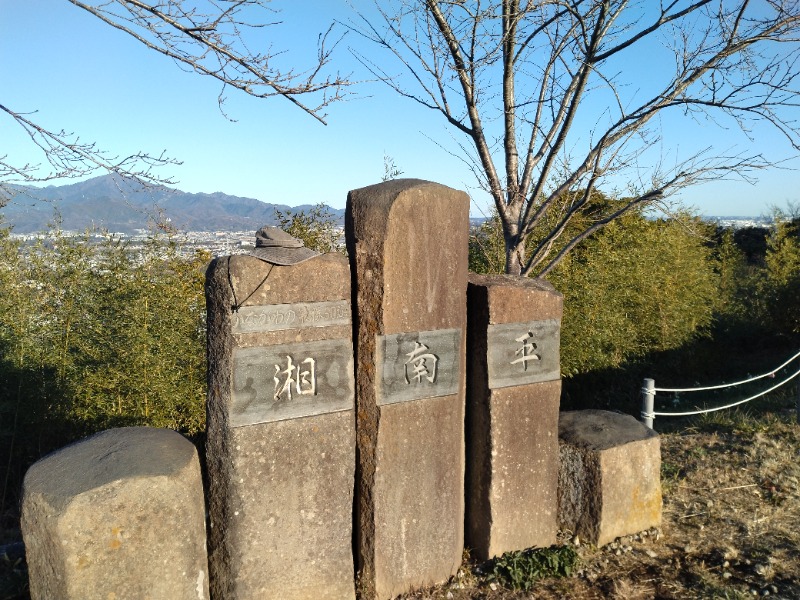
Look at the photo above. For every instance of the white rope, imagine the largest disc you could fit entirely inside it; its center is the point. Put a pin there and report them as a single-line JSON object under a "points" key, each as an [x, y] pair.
{"points": [[726, 385], [708, 410]]}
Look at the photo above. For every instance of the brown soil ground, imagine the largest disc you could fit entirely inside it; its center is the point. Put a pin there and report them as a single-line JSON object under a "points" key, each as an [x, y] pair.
{"points": [[731, 525]]}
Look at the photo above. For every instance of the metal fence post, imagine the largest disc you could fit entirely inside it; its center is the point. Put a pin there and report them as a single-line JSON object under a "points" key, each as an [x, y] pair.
{"points": [[797, 401], [648, 402]]}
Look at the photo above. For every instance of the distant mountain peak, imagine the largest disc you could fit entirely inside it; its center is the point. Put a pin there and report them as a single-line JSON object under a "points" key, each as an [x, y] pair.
{"points": [[124, 205]]}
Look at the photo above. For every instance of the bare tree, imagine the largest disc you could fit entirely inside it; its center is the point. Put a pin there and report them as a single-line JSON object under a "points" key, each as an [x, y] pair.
{"points": [[211, 37], [516, 77]]}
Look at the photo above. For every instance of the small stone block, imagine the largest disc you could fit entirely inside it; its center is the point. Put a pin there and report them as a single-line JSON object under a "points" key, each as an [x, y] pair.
{"points": [[609, 482], [118, 515], [280, 443], [513, 396], [407, 241]]}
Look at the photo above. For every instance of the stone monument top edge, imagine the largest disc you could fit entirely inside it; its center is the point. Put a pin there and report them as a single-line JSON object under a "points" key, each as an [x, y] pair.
{"points": [[601, 429], [396, 186], [384, 194], [249, 260], [237, 264], [530, 283], [513, 299], [108, 456], [369, 208]]}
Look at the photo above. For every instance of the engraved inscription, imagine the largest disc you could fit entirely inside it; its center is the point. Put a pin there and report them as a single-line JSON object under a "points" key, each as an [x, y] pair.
{"points": [[294, 378], [274, 383], [417, 365], [422, 363], [522, 353], [527, 352], [278, 317]]}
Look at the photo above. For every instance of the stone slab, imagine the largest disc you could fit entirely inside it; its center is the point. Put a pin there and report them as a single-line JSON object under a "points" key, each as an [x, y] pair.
{"points": [[280, 317], [280, 491], [512, 414], [407, 241], [288, 381], [424, 364], [118, 515], [610, 475], [287, 512], [520, 353]]}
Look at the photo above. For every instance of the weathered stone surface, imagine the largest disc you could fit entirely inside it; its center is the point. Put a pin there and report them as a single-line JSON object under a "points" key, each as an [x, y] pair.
{"points": [[609, 481], [407, 241], [118, 515], [512, 424], [280, 457]]}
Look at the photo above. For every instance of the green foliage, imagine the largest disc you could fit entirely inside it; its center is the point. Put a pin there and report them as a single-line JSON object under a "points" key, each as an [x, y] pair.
{"points": [[487, 253], [97, 334], [783, 273], [390, 169], [734, 273], [783, 252], [317, 228], [752, 241], [13, 577], [520, 570], [638, 286], [762, 297]]}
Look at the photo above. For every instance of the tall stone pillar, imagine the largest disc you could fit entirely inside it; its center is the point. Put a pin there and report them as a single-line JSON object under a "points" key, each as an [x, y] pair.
{"points": [[281, 430], [513, 397], [407, 241]]}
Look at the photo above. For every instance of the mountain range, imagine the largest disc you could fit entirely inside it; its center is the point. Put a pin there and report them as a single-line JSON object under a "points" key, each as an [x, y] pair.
{"points": [[123, 205]]}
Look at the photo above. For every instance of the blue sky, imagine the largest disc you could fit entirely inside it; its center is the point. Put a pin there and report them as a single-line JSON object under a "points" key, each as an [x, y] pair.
{"points": [[83, 76]]}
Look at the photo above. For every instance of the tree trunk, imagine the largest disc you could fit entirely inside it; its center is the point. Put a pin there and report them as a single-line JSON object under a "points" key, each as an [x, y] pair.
{"points": [[515, 255]]}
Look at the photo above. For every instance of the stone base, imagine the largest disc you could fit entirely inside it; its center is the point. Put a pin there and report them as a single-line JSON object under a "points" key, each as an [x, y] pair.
{"points": [[609, 482], [118, 515], [512, 504], [281, 515]]}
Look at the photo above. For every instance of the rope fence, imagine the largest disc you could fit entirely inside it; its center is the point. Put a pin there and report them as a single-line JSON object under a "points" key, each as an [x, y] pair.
{"points": [[649, 391]]}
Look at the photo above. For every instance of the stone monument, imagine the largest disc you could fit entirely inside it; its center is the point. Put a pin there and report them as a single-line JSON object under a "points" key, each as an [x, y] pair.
{"points": [[513, 397], [118, 515], [281, 431], [407, 241]]}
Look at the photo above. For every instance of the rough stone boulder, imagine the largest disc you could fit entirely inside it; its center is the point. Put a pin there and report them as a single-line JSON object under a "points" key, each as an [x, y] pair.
{"points": [[609, 482], [117, 515]]}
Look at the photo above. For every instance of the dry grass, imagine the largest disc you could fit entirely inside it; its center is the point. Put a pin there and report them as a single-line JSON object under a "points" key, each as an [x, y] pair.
{"points": [[731, 525]]}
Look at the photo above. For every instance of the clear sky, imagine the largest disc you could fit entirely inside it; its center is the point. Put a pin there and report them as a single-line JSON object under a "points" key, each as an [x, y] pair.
{"points": [[84, 76]]}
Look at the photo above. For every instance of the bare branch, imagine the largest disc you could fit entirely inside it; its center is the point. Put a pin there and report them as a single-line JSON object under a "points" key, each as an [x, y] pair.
{"points": [[67, 156], [214, 43], [209, 37], [663, 18]]}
